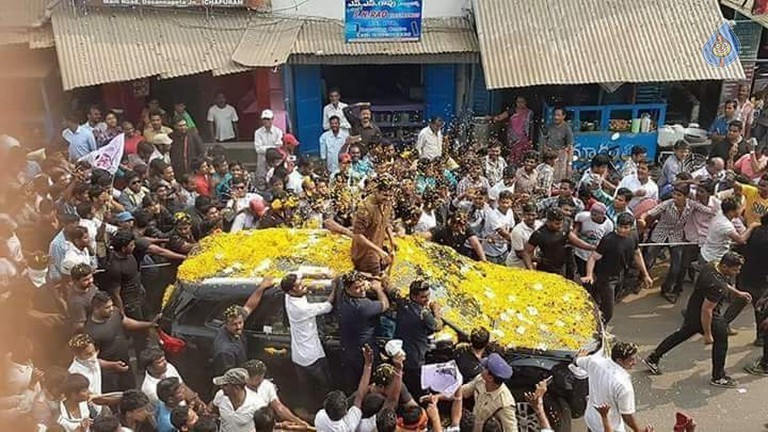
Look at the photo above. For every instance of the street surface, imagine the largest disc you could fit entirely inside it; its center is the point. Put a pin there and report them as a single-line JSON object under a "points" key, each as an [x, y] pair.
{"points": [[646, 319]]}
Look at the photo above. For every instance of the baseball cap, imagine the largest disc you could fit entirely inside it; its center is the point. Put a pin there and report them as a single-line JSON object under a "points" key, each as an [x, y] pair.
{"points": [[497, 366], [161, 138], [598, 209], [124, 216], [267, 114], [290, 139], [235, 376]]}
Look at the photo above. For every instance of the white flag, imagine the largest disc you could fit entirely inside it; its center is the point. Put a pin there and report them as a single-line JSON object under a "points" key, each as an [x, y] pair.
{"points": [[107, 157]]}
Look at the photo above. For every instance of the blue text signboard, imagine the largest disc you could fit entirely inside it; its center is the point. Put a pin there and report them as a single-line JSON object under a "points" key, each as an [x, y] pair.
{"points": [[382, 20]]}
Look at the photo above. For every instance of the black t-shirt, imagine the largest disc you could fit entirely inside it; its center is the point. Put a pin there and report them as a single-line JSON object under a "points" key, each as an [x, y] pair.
{"points": [[468, 363], [109, 337], [447, 237], [228, 351], [755, 252], [711, 285], [123, 272], [617, 254], [358, 319], [414, 324], [552, 245]]}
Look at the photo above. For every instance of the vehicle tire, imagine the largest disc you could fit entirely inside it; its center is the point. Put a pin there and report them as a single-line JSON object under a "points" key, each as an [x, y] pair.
{"points": [[558, 412]]}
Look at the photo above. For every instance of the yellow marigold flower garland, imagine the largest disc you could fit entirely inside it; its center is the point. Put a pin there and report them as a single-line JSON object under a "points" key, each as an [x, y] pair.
{"points": [[521, 308]]}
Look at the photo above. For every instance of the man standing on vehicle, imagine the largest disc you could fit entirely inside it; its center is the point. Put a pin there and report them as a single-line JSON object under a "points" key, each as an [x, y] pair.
{"points": [[372, 224], [358, 319], [702, 315], [229, 345], [611, 384], [306, 349], [417, 319]]}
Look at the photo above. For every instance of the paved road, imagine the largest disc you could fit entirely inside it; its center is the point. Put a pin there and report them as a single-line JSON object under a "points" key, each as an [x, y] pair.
{"points": [[646, 319]]}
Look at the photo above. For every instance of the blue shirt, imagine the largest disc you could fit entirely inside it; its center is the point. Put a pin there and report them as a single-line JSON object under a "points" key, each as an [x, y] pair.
{"points": [[56, 252], [163, 418], [720, 126], [81, 142], [330, 146]]}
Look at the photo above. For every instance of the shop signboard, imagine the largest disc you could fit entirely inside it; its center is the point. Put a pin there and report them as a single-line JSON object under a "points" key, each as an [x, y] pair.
{"points": [[260, 5], [382, 20]]}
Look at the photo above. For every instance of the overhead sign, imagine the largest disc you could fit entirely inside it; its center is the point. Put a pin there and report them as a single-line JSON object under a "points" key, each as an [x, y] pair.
{"points": [[260, 5], [382, 20]]}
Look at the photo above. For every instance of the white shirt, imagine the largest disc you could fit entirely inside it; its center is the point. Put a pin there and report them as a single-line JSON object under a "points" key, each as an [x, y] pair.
{"points": [[590, 232], [330, 147], [368, 424], [75, 256], [518, 238], [92, 226], [609, 384], [633, 183], [426, 222], [429, 144], [149, 385], [240, 420], [494, 244], [265, 394], [718, 238], [222, 119], [348, 423], [294, 183], [496, 190], [264, 139], [92, 371], [69, 423], [306, 347], [338, 111]]}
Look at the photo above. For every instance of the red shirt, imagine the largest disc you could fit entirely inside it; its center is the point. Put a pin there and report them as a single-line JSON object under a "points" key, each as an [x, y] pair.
{"points": [[132, 143], [203, 185]]}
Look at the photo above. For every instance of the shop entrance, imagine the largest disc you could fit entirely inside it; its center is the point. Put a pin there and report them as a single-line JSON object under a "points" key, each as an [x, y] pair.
{"points": [[396, 94]]}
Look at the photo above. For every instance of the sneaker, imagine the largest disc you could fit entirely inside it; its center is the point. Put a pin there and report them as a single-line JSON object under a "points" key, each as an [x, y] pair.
{"points": [[757, 369], [725, 381], [652, 365]]}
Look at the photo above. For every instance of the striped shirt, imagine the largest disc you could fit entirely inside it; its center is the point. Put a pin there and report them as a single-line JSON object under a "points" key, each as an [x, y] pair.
{"points": [[672, 222]]}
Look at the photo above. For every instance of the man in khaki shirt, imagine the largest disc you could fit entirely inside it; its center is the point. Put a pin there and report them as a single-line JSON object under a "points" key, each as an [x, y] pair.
{"points": [[372, 225], [492, 397]]}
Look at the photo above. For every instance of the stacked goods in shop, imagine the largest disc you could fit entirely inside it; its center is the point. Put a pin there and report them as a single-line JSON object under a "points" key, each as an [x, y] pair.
{"points": [[521, 308]]}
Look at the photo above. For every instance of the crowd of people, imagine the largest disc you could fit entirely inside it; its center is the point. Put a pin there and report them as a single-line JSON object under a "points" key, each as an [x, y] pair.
{"points": [[81, 248]]}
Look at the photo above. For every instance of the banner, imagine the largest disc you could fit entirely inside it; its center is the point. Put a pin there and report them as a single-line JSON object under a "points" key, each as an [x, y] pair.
{"points": [[259, 5], [382, 20], [107, 157]]}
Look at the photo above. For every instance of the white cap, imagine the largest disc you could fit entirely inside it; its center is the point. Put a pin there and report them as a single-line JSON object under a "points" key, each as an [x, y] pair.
{"points": [[267, 114]]}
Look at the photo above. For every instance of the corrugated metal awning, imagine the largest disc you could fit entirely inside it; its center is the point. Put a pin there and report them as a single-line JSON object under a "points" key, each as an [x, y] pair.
{"points": [[536, 42], [120, 45], [444, 40], [267, 42]]}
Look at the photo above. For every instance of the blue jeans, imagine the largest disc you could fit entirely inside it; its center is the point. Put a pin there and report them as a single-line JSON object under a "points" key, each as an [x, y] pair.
{"points": [[673, 282]]}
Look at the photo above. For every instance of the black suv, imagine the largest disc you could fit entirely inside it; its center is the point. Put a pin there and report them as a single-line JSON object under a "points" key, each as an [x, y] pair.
{"points": [[194, 313]]}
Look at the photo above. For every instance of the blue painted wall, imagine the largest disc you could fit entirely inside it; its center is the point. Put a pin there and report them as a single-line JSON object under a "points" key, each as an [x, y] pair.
{"points": [[440, 90], [308, 104]]}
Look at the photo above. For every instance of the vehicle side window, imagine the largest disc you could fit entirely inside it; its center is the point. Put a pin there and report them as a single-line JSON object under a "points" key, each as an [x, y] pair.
{"points": [[214, 311], [270, 316]]}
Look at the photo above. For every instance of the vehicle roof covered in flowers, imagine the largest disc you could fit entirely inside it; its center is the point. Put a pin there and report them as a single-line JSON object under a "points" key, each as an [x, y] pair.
{"points": [[521, 308]]}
